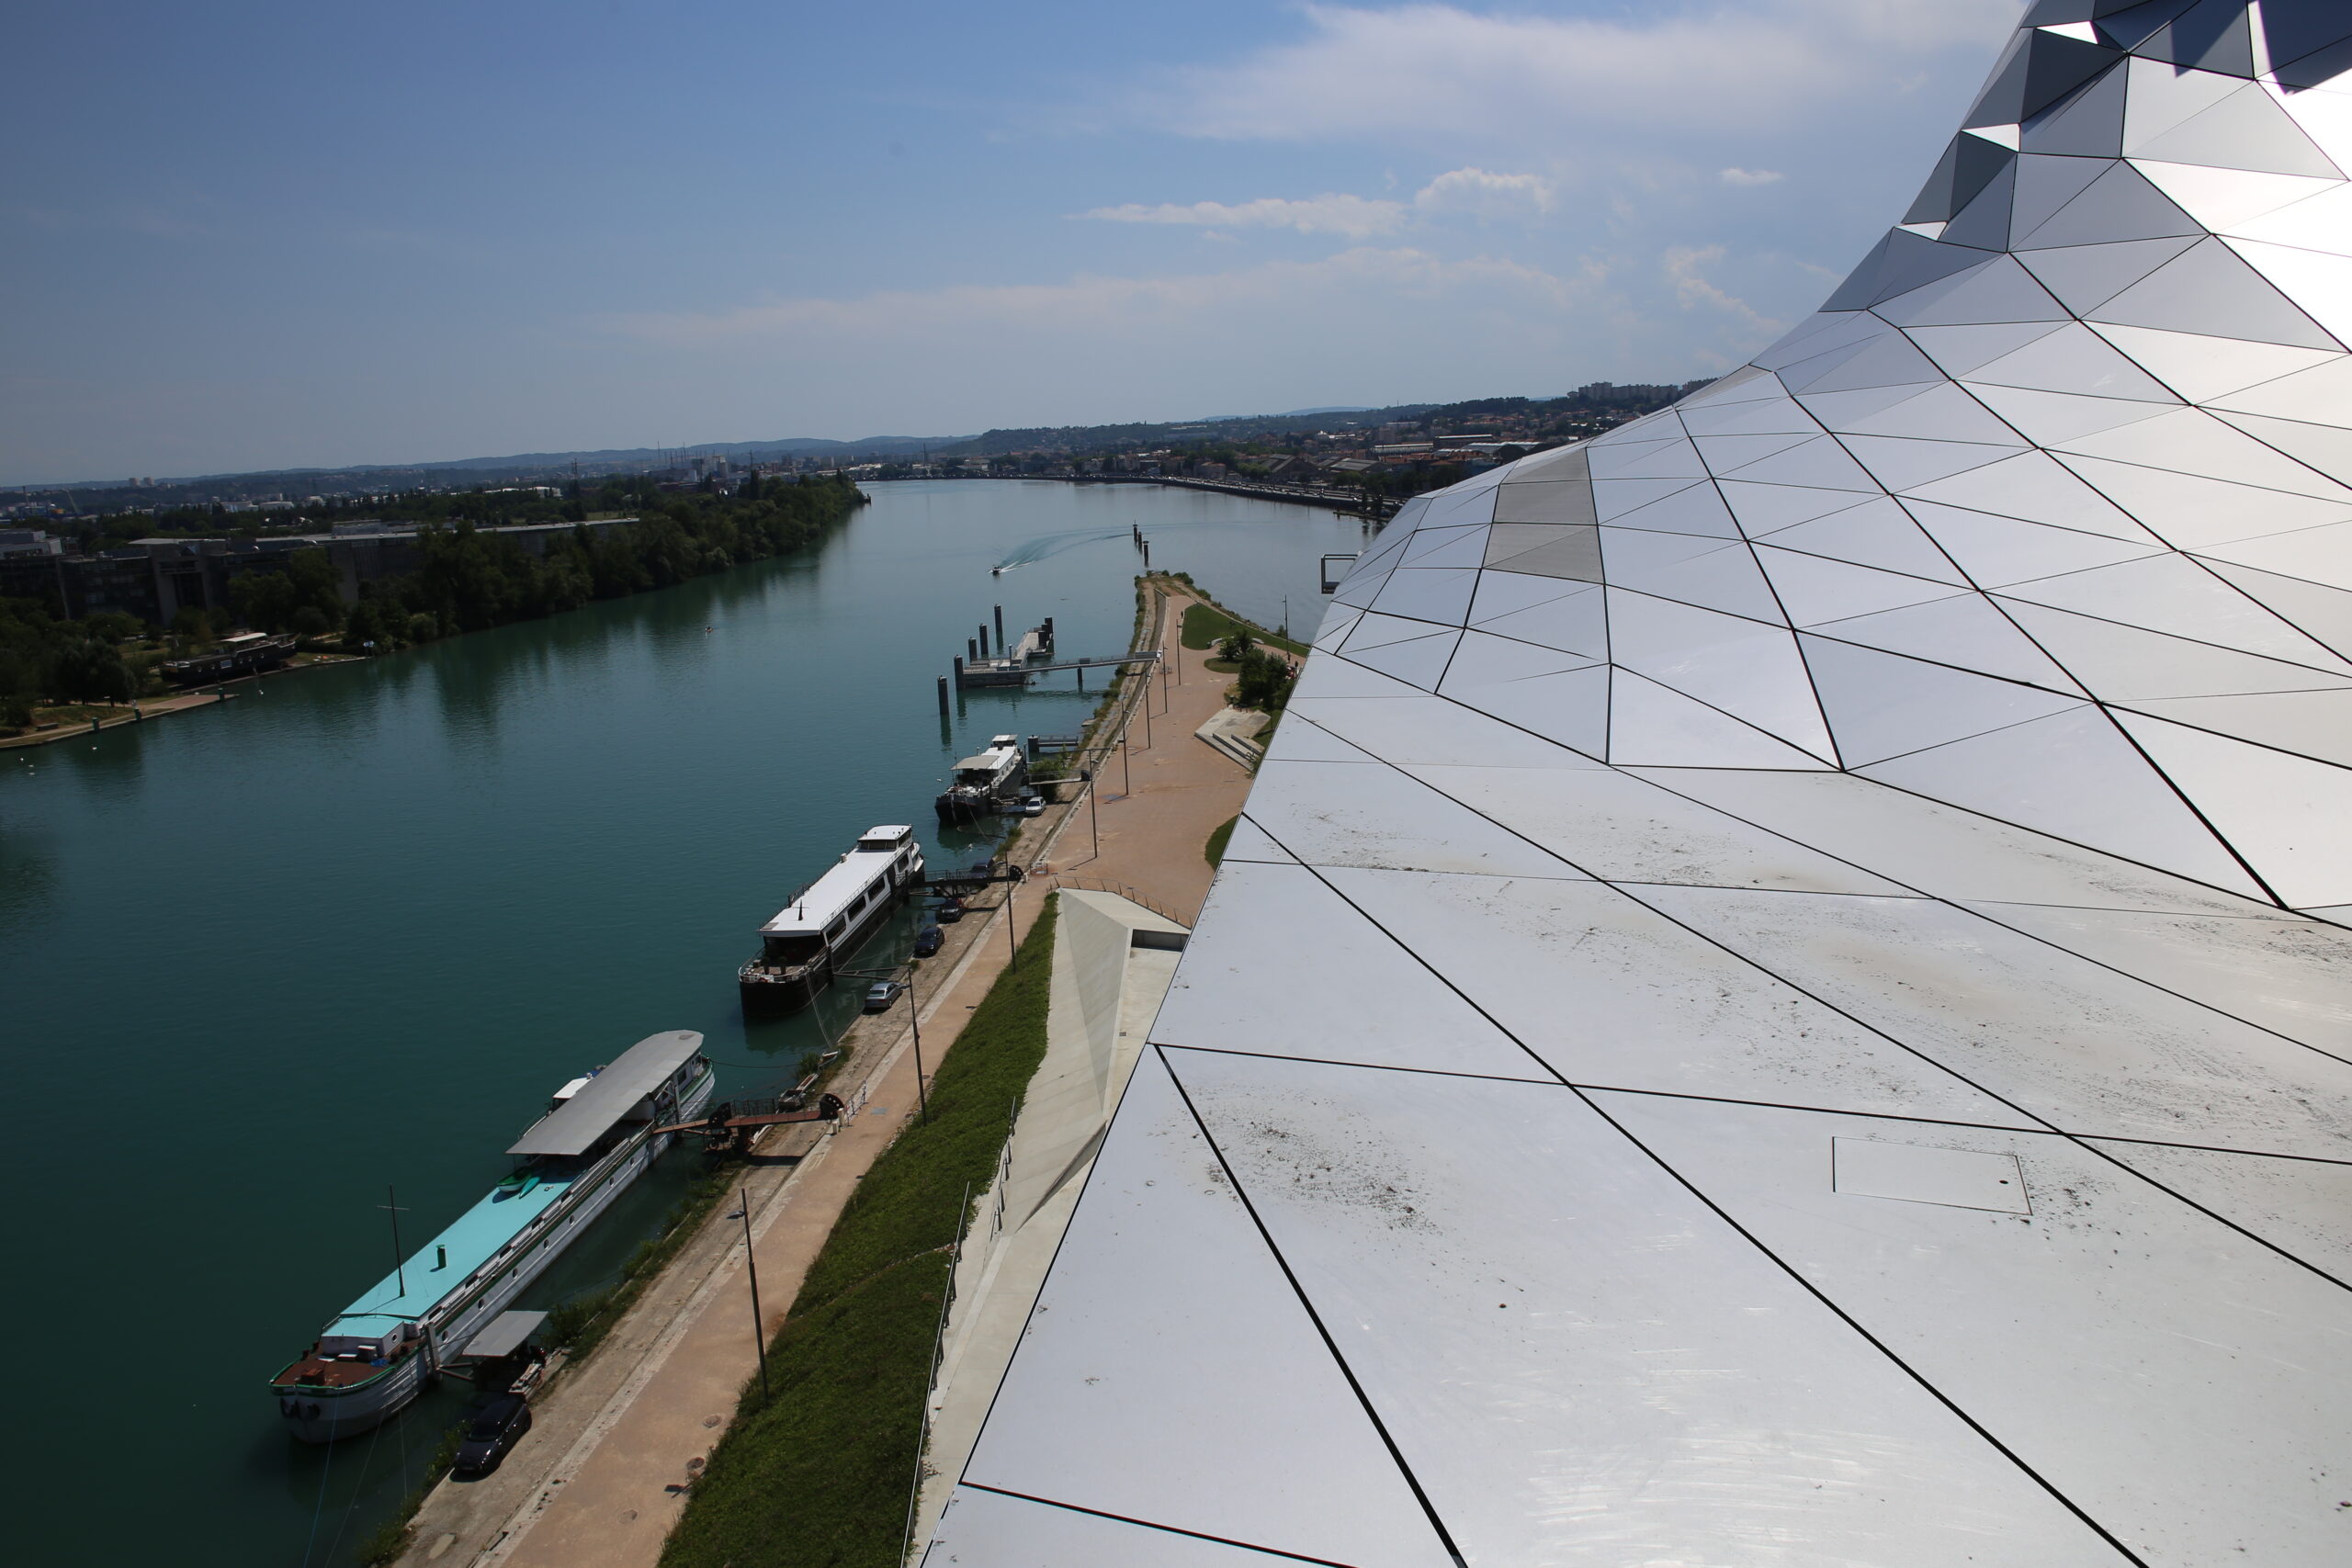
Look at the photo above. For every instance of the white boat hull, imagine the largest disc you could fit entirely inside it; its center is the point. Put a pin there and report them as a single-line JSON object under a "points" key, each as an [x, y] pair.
{"points": [[321, 1416]]}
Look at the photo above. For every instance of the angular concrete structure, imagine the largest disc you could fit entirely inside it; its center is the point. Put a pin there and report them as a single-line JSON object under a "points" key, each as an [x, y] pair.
{"points": [[1783, 997]]}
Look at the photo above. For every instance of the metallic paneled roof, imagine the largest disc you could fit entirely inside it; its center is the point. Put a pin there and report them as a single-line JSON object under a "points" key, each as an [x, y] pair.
{"points": [[1783, 994]]}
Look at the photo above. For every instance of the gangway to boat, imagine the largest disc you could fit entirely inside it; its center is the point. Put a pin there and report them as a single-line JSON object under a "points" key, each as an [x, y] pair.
{"points": [[735, 1120]]}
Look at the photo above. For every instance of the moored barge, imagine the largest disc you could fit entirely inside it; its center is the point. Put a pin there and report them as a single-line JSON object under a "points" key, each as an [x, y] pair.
{"points": [[598, 1137], [985, 784], [829, 919]]}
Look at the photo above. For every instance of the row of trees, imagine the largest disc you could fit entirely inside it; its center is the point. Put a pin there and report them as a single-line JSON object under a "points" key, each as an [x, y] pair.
{"points": [[470, 580], [44, 658]]}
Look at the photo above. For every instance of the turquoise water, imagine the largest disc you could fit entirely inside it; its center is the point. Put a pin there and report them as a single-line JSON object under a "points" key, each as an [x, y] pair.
{"points": [[350, 930]]}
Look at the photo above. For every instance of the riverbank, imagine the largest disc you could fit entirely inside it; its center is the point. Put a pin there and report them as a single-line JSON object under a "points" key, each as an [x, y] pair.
{"points": [[606, 1474], [89, 720]]}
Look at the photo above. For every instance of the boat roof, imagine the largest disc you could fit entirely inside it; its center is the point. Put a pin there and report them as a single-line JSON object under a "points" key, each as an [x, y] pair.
{"points": [[576, 1124], [995, 757], [503, 1334], [470, 1241], [888, 833], [827, 897]]}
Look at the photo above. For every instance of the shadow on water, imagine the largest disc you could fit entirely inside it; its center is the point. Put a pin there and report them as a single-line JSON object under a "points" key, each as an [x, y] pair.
{"points": [[28, 880]]}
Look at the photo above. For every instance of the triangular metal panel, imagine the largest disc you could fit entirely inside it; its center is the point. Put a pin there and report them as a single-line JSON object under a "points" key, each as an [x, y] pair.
{"points": [[2284, 813], [1996, 551], [1967, 632], [2073, 776], [1878, 532], [2208, 289], [1720, 574], [1881, 706], [1166, 1310], [1652, 725], [1812, 590]]}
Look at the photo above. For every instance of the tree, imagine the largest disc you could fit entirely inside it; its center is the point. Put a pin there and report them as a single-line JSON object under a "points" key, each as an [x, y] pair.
{"points": [[1238, 647], [91, 671]]}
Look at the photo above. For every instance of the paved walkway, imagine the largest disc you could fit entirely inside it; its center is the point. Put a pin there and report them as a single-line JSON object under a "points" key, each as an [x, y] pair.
{"points": [[599, 1483]]}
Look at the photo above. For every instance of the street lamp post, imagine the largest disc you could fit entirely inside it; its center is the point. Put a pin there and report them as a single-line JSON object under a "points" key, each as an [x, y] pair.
{"points": [[914, 1021], [1012, 947], [751, 1261]]}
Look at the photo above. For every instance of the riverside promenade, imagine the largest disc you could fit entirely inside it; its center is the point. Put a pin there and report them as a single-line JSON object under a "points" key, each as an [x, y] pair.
{"points": [[603, 1477]]}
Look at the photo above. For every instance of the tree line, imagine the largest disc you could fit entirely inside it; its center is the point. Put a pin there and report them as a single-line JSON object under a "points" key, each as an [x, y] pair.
{"points": [[469, 581]]}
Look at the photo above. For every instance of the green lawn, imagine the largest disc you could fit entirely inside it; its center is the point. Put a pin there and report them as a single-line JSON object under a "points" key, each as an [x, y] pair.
{"points": [[819, 1478], [1214, 851], [1206, 625]]}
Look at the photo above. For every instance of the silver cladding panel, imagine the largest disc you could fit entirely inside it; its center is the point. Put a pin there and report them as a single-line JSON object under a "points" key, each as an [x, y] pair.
{"points": [[1783, 997]]}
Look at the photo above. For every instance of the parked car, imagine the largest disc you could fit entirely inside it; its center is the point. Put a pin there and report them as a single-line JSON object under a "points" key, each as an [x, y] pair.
{"points": [[1032, 805], [882, 993], [498, 1423], [947, 912], [928, 941]]}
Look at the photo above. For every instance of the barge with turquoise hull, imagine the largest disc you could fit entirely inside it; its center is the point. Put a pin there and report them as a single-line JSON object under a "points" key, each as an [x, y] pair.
{"points": [[600, 1135]]}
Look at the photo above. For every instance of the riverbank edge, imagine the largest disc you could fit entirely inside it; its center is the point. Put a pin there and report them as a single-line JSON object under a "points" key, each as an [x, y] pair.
{"points": [[818, 1471], [400, 1538], [164, 706]]}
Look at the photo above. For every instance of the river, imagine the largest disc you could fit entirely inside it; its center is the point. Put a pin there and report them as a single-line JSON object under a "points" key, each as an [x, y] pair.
{"points": [[262, 960]]}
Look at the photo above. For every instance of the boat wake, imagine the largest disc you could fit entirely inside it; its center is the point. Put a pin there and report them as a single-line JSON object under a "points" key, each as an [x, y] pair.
{"points": [[1045, 545]]}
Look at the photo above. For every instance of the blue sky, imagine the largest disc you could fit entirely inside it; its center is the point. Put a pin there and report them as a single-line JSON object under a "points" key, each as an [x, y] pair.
{"points": [[261, 234]]}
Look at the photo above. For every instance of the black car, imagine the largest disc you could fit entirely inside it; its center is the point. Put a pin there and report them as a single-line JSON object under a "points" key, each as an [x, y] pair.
{"points": [[948, 911], [498, 1422], [928, 941]]}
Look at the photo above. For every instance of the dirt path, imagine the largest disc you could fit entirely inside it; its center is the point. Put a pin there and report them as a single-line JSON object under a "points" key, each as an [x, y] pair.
{"points": [[599, 1483]]}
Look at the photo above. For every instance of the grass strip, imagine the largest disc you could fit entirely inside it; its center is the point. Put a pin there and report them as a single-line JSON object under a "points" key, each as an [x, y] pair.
{"points": [[1222, 835], [819, 1477], [1206, 625]]}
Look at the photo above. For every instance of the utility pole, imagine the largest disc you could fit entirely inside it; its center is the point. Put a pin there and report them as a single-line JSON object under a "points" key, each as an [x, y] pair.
{"points": [[400, 1263], [1093, 814], [751, 1261], [914, 1021], [1012, 946]]}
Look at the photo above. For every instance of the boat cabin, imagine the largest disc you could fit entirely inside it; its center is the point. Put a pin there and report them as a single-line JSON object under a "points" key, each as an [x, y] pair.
{"points": [[830, 910], [590, 1115]]}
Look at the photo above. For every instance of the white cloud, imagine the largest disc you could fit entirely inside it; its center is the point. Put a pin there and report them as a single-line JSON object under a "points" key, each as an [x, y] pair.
{"points": [[1682, 265], [1351, 216], [1750, 176], [1440, 71], [1482, 195]]}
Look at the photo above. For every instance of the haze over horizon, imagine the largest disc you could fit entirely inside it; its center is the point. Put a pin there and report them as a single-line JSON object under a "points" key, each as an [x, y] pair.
{"points": [[263, 237]]}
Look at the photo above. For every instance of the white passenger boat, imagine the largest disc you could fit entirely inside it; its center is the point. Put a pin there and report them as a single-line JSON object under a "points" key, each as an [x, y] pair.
{"points": [[829, 919], [598, 1136], [986, 782]]}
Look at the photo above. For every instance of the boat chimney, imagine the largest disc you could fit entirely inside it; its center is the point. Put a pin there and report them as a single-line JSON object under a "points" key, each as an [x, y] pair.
{"points": [[440, 1258]]}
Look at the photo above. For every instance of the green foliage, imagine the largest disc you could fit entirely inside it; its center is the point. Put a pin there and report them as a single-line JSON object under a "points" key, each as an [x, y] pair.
{"points": [[43, 659], [269, 601], [820, 1475], [471, 580], [1265, 682], [1214, 850]]}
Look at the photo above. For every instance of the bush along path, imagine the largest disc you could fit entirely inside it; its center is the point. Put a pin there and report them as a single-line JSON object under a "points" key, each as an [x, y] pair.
{"points": [[819, 1477]]}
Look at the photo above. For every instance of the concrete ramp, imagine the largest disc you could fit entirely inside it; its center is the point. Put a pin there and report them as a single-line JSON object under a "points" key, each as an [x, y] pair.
{"points": [[1112, 962]]}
